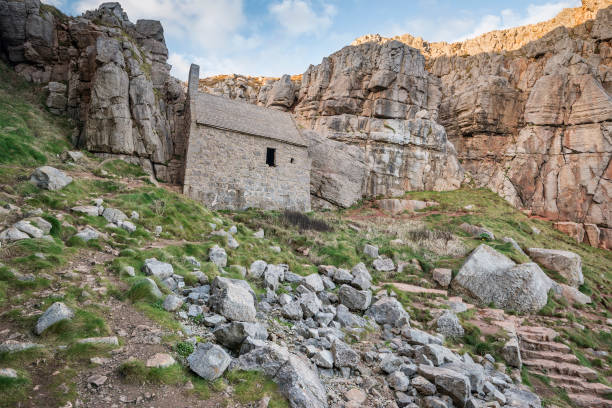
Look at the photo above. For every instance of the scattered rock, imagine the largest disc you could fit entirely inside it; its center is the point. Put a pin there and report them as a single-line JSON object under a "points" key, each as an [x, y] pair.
{"points": [[8, 373], [383, 264], [232, 335], [50, 178], [234, 299], [160, 360], [388, 310], [160, 270], [568, 264], [218, 256], [57, 312], [88, 234], [354, 299], [511, 353], [113, 215], [344, 355], [370, 250], [112, 340], [209, 361], [314, 282], [442, 276], [477, 232], [172, 303], [491, 277], [13, 234], [398, 381], [448, 324]]}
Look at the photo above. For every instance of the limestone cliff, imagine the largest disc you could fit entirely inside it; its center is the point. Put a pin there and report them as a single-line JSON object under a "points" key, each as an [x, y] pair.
{"points": [[528, 110], [107, 74]]}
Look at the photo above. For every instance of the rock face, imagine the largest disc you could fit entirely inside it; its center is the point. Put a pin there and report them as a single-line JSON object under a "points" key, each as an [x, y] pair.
{"points": [[108, 74], [491, 277], [527, 109]]}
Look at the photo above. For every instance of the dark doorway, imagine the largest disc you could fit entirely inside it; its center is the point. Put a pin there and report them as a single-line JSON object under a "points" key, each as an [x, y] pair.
{"points": [[271, 157]]}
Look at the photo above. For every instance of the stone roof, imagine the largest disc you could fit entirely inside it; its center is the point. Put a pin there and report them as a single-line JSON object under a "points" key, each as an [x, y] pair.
{"points": [[224, 113]]}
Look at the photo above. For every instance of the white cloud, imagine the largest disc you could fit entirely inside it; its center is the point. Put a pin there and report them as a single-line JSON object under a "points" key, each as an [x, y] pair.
{"points": [[469, 26], [298, 16], [55, 3], [212, 24]]}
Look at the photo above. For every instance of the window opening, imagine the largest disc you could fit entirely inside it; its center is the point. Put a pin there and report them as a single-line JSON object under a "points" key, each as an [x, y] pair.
{"points": [[271, 157]]}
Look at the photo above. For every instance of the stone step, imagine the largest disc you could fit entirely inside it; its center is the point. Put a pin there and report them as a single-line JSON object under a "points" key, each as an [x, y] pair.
{"points": [[549, 355], [590, 401], [578, 386], [529, 344], [548, 366], [537, 333]]}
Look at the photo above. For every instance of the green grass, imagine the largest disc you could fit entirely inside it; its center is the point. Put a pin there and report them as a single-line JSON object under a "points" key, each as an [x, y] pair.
{"points": [[84, 324], [28, 134], [135, 372], [14, 390], [252, 386]]}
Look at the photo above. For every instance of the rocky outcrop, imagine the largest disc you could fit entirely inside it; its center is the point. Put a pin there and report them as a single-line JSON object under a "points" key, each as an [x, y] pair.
{"points": [[107, 74], [369, 113], [528, 111]]}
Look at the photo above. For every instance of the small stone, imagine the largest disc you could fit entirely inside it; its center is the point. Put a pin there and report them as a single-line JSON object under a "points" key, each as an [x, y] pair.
{"points": [[314, 282], [448, 324], [324, 359], [57, 312], [370, 250], [443, 276], [383, 264], [218, 256], [357, 395], [172, 303], [209, 361], [8, 372], [398, 381], [160, 360], [259, 233], [97, 380]]}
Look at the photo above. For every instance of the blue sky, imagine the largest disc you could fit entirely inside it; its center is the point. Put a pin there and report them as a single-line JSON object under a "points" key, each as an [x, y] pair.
{"points": [[274, 37]]}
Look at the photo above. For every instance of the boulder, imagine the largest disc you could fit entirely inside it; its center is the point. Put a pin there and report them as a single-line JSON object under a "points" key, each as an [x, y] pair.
{"points": [[511, 352], [160, 360], [314, 282], [57, 312], [232, 335], [209, 361], [90, 210], [448, 324], [172, 303], [490, 277], [324, 359], [28, 228], [292, 311], [347, 319], [218, 256], [477, 232], [388, 310], [87, 234], [442, 276], [232, 298], [361, 277], [13, 234], [370, 250], [295, 376], [310, 304], [448, 382], [398, 381], [257, 269], [354, 299], [383, 265], [566, 263], [571, 294], [50, 178], [153, 288], [160, 270], [344, 355], [114, 215], [419, 337], [423, 386]]}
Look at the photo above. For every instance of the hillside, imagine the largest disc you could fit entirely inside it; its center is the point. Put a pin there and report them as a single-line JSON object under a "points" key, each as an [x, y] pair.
{"points": [[132, 328]]}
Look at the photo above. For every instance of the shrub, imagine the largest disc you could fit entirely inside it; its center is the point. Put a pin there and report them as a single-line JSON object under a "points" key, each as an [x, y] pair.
{"points": [[304, 222]]}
